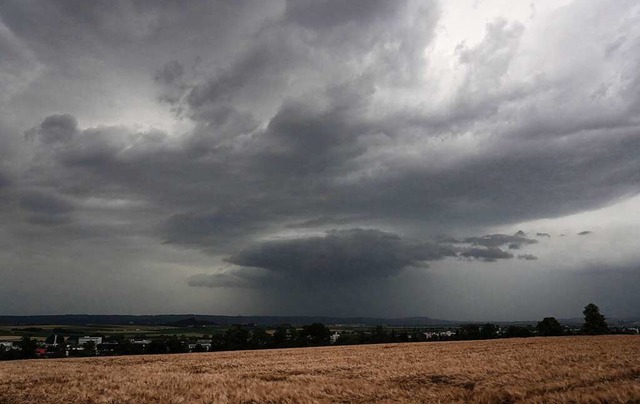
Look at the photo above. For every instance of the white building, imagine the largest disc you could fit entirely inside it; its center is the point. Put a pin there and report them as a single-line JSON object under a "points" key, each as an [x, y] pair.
{"points": [[205, 343], [334, 337], [85, 339], [434, 334]]}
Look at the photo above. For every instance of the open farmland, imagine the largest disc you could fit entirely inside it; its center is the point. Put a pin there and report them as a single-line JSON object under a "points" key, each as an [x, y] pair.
{"points": [[583, 369]]}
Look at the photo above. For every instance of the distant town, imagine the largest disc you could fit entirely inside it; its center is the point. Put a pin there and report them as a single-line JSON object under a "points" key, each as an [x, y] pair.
{"points": [[24, 340]]}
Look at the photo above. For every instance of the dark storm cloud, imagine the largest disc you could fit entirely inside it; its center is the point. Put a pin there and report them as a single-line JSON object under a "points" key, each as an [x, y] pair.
{"points": [[304, 115], [4, 181], [585, 233], [293, 48], [323, 221], [6, 187], [244, 278], [210, 231], [340, 255], [336, 257], [54, 27], [315, 154], [55, 129], [489, 254], [170, 74], [497, 240], [324, 152], [46, 208], [313, 139], [326, 14]]}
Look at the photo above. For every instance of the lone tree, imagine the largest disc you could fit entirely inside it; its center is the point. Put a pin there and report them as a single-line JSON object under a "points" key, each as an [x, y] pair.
{"points": [[549, 326], [594, 322]]}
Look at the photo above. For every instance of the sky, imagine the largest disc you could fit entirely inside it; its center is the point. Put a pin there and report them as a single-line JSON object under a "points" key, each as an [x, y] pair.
{"points": [[467, 160]]}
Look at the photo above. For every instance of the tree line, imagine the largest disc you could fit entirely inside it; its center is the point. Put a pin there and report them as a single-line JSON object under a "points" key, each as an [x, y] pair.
{"points": [[240, 337]]}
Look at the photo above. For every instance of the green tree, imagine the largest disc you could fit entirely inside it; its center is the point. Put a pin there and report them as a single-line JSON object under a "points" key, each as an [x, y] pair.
{"points": [[199, 348], [515, 331], [218, 342], [27, 347], [176, 345], [280, 337], [315, 334], [549, 326], [594, 322], [259, 338], [469, 331], [236, 337], [125, 347], [157, 346], [379, 335], [489, 331], [89, 348]]}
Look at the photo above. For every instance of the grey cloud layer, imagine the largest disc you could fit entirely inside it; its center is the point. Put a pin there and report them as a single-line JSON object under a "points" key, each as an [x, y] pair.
{"points": [[496, 240], [308, 116], [339, 257]]}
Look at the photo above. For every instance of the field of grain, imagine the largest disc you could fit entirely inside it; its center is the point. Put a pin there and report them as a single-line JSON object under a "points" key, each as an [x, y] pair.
{"points": [[564, 369]]}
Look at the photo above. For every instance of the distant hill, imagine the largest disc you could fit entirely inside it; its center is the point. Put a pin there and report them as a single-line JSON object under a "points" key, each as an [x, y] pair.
{"points": [[189, 320], [200, 320]]}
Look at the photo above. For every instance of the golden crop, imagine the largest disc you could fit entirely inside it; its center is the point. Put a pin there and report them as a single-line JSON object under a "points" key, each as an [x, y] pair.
{"points": [[565, 369]]}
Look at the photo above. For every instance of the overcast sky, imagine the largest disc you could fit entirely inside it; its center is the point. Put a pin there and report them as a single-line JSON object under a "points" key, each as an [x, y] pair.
{"points": [[468, 159]]}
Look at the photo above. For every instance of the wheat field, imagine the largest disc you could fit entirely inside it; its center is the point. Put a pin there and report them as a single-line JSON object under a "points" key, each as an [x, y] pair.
{"points": [[564, 369]]}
